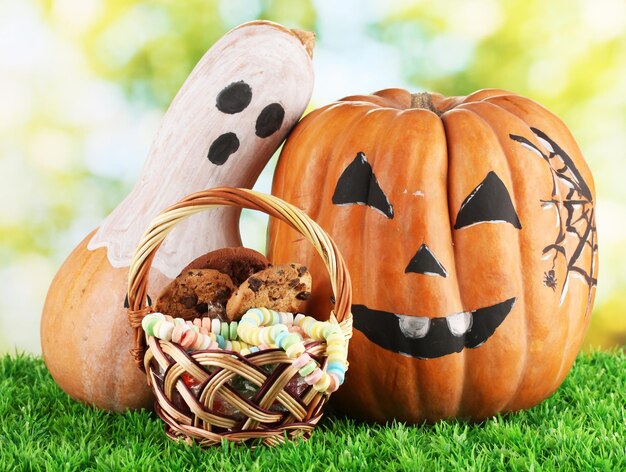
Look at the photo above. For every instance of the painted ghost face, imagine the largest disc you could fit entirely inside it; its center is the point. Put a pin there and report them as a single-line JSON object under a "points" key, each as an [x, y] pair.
{"points": [[489, 202], [234, 99], [222, 127]]}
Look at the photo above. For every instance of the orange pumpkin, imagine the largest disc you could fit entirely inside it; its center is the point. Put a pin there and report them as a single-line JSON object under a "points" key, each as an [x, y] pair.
{"points": [[85, 336], [468, 226]]}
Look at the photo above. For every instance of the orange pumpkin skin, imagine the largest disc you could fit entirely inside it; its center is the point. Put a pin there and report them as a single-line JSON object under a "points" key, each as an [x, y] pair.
{"points": [[430, 157], [86, 340]]}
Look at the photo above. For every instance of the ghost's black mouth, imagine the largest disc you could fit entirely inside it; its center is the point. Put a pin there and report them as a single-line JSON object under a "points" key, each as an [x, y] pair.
{"points": [[427, 338]]}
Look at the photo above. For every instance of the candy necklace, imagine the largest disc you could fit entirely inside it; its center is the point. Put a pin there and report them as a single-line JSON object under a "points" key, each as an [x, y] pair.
{"points": [[258, 329], [260, 325], [202, 333]]}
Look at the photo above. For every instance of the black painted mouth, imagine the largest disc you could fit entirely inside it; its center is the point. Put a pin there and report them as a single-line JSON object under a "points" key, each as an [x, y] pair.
{"points": [[428, 338]]}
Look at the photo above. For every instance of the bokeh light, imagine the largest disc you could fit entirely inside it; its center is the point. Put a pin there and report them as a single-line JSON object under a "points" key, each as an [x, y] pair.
{"points": [[83, 84]]}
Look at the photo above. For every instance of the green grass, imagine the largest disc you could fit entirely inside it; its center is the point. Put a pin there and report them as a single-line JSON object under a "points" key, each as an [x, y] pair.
{"points": [[581, 427]]}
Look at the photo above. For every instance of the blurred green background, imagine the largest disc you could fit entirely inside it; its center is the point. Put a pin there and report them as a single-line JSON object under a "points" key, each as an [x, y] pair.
{"points": [[83, 84]]}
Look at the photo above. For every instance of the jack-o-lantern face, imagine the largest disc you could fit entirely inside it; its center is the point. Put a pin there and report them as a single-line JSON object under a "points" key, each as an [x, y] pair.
{"points": [[428, 336], [467, 224]]}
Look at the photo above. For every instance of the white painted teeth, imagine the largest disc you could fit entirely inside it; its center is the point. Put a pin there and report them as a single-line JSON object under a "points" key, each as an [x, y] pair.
{"points": [[459, 323], [414, 326]]}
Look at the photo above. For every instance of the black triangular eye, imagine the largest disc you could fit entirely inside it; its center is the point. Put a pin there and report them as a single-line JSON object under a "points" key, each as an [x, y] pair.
{"points": [[489, 202], [358, 185], [425, 262]]}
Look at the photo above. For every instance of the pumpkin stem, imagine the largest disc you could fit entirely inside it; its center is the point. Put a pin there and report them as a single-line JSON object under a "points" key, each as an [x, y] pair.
{"points": [[307, 39], [423, 100]]}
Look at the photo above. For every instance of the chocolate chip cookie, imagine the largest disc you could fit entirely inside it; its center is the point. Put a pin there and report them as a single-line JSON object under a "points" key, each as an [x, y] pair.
{"points": [[237, 262], [281, 288], [197, 293]]}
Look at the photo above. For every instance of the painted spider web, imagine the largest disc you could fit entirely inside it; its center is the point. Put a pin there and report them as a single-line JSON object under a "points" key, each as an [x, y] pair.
{"points": [[575, 213]]}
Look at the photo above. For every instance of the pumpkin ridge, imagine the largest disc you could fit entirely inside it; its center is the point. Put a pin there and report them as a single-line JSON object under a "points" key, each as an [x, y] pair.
{"points": [[463, 355], [523, 372], [566, 361], [569, 346], [382, 128], [411, 376], [371, 124], [378, 127], [359, 121], [474, 124], [414, 150], [465, 358], [566, 345]]}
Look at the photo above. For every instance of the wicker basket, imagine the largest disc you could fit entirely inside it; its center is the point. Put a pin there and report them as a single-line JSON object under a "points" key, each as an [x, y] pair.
{"points": [[239, 398]]}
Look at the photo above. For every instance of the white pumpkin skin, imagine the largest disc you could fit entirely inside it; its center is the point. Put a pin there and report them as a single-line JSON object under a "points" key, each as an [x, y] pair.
{"points": [[251, 87]]}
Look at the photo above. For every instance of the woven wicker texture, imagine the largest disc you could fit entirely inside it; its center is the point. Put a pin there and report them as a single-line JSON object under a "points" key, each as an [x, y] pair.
{"points": [[228, 396]]}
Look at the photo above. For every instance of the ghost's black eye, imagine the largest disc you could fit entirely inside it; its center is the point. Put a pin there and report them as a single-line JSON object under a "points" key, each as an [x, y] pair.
{"points": [[234, 98], [425, 262], [489, 202], [223, 146], [269, 121], [358, 185]]}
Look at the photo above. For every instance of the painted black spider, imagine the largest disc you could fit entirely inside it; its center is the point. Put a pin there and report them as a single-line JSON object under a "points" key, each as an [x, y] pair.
{"points": [[549, 279]]}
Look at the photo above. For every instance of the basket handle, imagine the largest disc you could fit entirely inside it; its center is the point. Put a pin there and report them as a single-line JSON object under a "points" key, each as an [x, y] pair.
{"points": [[235, 197]]}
